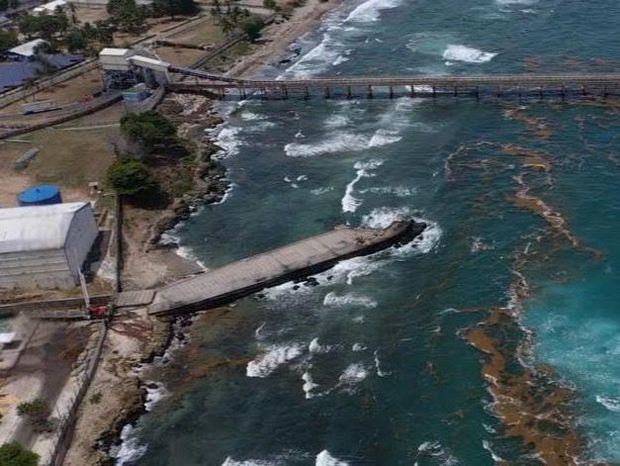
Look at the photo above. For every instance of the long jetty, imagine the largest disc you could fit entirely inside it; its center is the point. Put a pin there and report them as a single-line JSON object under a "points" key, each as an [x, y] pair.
{"points": [[301, 259], [563, 85]]}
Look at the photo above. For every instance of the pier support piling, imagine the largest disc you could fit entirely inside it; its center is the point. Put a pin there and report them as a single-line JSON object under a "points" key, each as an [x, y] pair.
{"points": [[370, 96], [349, 94], [412, 91], [327, 93], [391, 92], [306, 94]]}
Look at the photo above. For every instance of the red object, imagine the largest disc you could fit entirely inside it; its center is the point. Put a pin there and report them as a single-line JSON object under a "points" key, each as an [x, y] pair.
{"points": [[98, 311]]}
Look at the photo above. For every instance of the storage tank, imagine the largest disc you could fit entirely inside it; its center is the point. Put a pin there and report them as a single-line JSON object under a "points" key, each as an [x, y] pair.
{"points": [[43, 194]]}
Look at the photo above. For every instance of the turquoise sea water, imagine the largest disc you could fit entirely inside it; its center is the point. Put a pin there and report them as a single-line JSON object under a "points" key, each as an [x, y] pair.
{"points": [[371, 366]]}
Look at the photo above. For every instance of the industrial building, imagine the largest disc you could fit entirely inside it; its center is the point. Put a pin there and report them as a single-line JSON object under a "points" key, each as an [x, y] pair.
{"points": [[124, 68], [45, 245]]}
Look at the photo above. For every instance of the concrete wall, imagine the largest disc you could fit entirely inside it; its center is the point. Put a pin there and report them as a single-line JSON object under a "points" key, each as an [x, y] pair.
{"points": [[45, 269]]}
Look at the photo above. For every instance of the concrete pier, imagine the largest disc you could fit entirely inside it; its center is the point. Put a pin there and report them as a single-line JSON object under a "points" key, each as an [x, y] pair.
{"points": [[297, 260]]}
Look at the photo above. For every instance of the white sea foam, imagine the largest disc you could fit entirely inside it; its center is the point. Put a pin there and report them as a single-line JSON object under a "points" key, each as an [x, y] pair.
{"points": [[383, 137], [487, 446], [276, 356], [308, 385], [326, 459], [331, 144], [380, 372], [339, 60], [398, 191], [154, 395], [383, 217], [230, 142], [349, 202], [357, 347], [249, 116], [612, 404], [130, 449], [516, 2], [352, 375], [370, 10], [341, 142], [349, 299], [336, 120], [315, 347], [321, 191], [466, 54], [436, 450], [232, 462]]}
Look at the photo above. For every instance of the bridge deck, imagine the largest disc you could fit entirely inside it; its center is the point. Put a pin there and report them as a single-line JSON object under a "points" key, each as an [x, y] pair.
{"points": [[611, 80], [280, 265]]}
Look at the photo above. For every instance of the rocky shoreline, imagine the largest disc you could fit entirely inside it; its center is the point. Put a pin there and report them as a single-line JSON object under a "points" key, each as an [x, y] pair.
{"points": [[194, 116]]}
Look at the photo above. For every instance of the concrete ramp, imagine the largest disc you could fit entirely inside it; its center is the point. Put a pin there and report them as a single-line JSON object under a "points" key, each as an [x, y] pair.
{"points": [[303, 258]]}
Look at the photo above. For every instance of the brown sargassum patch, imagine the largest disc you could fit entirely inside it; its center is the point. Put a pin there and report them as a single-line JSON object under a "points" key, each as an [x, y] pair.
{"points": [[529, 404]]}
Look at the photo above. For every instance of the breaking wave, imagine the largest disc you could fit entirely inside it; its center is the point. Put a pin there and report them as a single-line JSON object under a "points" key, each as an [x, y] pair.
{"points": [[466, 54], [326, 459], [270, 361], [349, 299]]}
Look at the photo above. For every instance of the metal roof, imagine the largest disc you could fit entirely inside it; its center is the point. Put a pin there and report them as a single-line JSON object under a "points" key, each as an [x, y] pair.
{"points": [[27, 49], [51, 6], [14, 74], [113, 52], [36, 228]]}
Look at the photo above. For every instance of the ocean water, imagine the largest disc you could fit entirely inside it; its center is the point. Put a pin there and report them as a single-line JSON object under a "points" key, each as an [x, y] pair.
{"points": [[381, 363]]}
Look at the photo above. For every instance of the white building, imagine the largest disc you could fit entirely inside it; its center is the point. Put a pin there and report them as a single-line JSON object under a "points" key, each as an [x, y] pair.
{"points": [[45, 246], [28, 50], [49, 8]]}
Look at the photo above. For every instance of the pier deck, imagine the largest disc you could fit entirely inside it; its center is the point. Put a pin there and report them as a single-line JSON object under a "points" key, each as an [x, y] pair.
{"points": [[303, 258]]}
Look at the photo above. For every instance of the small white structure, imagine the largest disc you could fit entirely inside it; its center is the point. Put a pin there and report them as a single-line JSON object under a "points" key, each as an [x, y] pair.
{"points": [[49, 8], [45, 246], [28, 50], [112, 59]]}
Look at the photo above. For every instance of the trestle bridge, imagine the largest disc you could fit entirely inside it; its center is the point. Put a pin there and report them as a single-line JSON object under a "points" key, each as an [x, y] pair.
{"points": [[520, 85]]}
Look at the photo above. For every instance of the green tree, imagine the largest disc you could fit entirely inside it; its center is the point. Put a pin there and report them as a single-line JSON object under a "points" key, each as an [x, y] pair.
{"points": [[174, 7], [8, 40], [129, 16], [252, 26], [13, 454], [271, 4], [132, 178], [77, 39], [148, 129]]}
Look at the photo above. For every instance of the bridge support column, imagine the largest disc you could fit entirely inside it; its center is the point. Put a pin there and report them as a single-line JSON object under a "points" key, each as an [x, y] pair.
{"points": [[222, 93], [412, 91], [285, 91], [307, 94], [391, 92], [605, 92], [370, 96], [434, 92], [349, 94], [541, 93], [327, 93], [264, 93], [583, 91], [456, 91], [498, 92], [477, 93], [563, 92]]}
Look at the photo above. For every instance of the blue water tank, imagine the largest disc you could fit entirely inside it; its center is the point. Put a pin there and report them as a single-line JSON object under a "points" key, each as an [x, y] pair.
{"points": [[43, 194]]}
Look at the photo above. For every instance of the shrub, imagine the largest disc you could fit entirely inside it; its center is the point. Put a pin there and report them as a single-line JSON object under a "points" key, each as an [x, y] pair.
{"points": [[148, 128], [130, 177], [13, 454], [252, 26], [37, 412]]}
